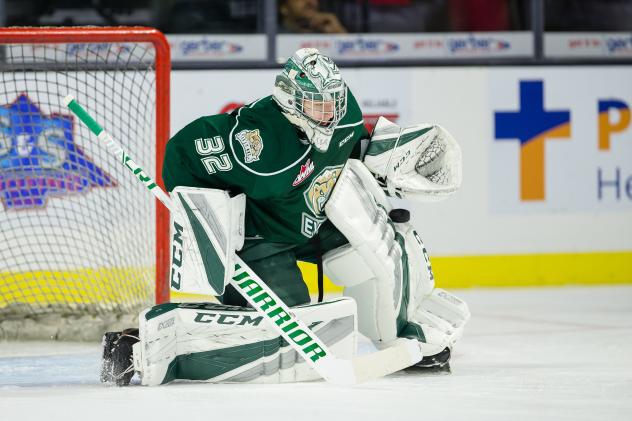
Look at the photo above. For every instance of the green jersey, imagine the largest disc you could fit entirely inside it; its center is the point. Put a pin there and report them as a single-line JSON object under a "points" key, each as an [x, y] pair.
{"points": [[255, 150]]}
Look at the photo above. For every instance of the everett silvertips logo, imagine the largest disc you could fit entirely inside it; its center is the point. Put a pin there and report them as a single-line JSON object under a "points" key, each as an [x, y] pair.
{"points": [[321, 188], [39, 158], [252, 143], [306, 170]]}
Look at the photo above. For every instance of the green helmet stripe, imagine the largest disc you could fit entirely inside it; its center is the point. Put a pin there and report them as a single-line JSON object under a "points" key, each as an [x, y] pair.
{"points": [[293, 72]]}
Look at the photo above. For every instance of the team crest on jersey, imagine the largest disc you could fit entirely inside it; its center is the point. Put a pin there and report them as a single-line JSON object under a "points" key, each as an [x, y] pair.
{"points": [[306, 170], [39, 158], [321, 188], [252, 143]]}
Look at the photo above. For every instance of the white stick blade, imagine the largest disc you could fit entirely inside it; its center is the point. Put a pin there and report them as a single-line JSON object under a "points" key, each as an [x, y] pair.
{"points": [[405, 353]]}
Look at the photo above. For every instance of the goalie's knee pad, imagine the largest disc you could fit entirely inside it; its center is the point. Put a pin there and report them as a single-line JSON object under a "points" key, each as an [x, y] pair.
{"points": [[207, 228], [219, 343]]}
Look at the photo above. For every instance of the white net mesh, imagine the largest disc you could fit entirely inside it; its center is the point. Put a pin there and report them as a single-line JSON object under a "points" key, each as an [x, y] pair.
{"points": [[77, 237]]}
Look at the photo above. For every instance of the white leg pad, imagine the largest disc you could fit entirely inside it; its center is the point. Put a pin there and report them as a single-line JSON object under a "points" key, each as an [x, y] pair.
{"points": [[386, 269], [370, 267], [217, 343]]}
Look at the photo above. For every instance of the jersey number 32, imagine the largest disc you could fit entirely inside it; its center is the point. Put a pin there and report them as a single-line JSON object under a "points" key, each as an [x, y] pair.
{"points": [[213, 159]]}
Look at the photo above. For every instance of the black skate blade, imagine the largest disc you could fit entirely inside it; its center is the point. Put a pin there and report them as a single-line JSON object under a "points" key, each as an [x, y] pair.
{"points": [[431, 370]]}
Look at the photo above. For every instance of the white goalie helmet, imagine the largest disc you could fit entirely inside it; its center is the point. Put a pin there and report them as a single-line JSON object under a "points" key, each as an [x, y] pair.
{"points": [[312, 95]]}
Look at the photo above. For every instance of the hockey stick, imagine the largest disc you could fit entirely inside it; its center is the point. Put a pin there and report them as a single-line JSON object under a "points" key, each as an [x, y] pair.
{"points": [[404, 353]]}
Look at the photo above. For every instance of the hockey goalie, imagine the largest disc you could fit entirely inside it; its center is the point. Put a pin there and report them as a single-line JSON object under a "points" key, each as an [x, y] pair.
{"points": [[295, 176]]}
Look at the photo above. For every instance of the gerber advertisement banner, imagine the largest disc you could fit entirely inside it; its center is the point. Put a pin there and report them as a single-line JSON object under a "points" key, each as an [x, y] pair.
{"points": [[588, 44], [562, 141], [217, 47], [383, 47]]}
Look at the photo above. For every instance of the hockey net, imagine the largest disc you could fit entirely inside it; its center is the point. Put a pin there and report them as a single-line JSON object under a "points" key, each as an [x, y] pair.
{"points": [[83, 247]]}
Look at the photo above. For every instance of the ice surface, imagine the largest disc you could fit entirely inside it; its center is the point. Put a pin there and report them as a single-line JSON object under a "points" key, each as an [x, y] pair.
{"points": [[527, 354]]}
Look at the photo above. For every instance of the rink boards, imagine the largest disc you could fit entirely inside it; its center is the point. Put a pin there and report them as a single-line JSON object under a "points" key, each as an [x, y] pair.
{"points": [[547, 189]]}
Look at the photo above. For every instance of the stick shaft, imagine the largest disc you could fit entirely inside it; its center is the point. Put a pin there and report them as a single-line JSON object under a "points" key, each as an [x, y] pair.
{"points": [[117, 150]]}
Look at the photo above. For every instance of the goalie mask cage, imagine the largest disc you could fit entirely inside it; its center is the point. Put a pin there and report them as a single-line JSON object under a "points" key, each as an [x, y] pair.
{"points": [[83, 246]]}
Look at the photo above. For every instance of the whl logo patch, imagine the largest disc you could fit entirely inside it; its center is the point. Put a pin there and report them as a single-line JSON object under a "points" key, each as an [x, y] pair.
{"points": [[306, 170], [252, 143], [39, 158]]}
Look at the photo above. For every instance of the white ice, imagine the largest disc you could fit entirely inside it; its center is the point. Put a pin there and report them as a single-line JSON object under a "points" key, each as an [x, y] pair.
{"points": [[527, 354]]}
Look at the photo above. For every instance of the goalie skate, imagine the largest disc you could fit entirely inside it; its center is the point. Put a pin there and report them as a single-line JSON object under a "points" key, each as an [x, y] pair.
{"points": [[117, 366], [435, 363]]}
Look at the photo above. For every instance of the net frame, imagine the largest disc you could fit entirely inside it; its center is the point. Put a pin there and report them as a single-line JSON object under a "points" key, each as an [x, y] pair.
{"points": [[162, 68]]}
